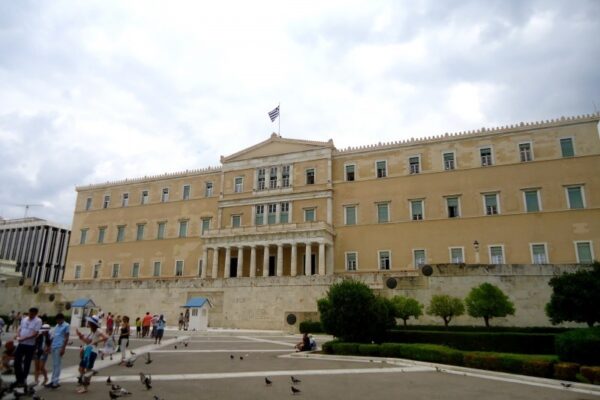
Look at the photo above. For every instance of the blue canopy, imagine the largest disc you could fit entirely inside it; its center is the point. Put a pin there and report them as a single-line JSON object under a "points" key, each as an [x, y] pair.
{"points": [[196, 302], [83, 303]]}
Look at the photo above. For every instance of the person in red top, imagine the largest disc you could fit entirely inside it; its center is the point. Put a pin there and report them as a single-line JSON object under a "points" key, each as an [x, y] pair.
{"points": [[110, 324], [146, 323]]}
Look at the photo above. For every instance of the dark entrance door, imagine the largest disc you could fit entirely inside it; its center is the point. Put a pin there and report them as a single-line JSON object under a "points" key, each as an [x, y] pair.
{"points": [[313, 264], [233, 267], [271, 265]]}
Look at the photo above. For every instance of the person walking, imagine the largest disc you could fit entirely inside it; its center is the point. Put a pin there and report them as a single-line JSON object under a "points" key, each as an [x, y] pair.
{"points": [[160, 329], [146, 322], [138, 327], [124, 338], [40, 354], [180, 321], [90, 351], [109, 324], [60, 339], [26, 334]]}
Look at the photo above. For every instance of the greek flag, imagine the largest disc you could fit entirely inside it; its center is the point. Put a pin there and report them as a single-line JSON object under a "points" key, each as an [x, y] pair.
{"points": [[274, 114]]}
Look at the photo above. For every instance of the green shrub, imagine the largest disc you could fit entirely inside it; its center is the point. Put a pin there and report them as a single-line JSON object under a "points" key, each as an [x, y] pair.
{"points": [[566, 371], [541, 368], [372, 350], [592, 374], [327, 347], [487, 301], [310, 327], [513, 363], [422, 352], [580, 345], [469, 328], [345, 349]]}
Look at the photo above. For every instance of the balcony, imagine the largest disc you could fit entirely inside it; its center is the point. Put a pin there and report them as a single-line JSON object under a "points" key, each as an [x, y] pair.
{"points": [[276, 229]]}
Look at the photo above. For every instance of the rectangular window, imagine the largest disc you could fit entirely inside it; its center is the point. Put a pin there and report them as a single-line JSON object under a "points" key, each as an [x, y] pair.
{"points": [[310, 176], [135, 270], [453, 207], [384, 260], [525, 152], [183, 228], [285, 176], [83, 236], [259, 217], [284, 213], [140, 232], [236, 221], [115, 270], [145, 197], [539, 254], [309, 215], [414, 165], [272, 213], [575, 198], [208, 189], [78, 272], [532, 200], [496, 255], [161, 230], [566, 147], [383, 212], [179, 268], [238, 184], [261, 178], [419, 258], [273, 178], [106, 202], [351, 261], [350, 214], [205, 225], [120, 233], [585, 253], [416, 210], [101, 232], [125, 200], [96, 273], [381, 169], [457, 255], [88, 203], [350, 172], [491, 204], [186, 192], [486, 156], [156, 269], [449, 161], [165, 195]]}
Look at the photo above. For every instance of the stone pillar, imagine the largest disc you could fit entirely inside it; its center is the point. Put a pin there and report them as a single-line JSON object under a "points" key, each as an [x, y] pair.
{"points": [[227, 269], [294, 261], [266, 261], [240, 262], [307, 257], [215, 266], [321, 258], [252, 261], [279, 259], [204, 262]]}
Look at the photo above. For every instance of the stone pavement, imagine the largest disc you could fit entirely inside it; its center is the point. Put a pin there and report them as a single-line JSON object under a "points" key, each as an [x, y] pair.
{"points": [[205, 369]]}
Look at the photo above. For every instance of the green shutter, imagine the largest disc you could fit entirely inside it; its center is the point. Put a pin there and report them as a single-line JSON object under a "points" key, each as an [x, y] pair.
{"points": [[584, 252], [382, 213], [417, 207], [531, 201], [575, 197], [350, 215], [566, 146]]}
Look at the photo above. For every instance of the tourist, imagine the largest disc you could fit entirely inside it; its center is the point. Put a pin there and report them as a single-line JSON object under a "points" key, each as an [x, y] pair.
{"points": [[60, 338], [28, 330], [2, 324], [40, 355], [109, 324], [117, 324], [181, 321], [8, 357], [90, 351], [186, 319], [160, 329], [146, 322], [138, 327], [304, 345], [17, 321], [124, 338]]}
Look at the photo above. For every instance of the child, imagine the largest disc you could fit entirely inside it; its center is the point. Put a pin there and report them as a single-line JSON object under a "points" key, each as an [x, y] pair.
{"points": [[40, 354]]}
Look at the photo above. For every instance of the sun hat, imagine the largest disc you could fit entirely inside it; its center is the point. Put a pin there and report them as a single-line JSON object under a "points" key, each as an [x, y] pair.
{"points": [[45, 328], [93, 320]]}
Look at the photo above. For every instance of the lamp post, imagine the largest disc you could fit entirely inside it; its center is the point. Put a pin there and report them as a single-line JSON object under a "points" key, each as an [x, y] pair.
{"points": [[476, 247]]}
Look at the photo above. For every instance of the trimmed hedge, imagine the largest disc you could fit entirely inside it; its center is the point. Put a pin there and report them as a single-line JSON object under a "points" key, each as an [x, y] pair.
{"points": [[310, 327], [592, 374], [503, 342], [423, 352], [581, 346], [566, 371], [470, 328]]}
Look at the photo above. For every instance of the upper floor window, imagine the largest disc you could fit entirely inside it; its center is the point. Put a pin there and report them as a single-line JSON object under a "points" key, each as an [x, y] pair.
{"points": [[486, 156], [575, 198], [165, 195], [236, 221], [186, 192], [140, 232], [115, 270], [106, 202], [273, 178], [135, 270], [96, 271], [310, 176], [309, 214], [385, 261], [120, 233], [532, 200], [351, 261], [259, 215], [566, 147], [419, 258], [272, 213], [261, 179], [449, 162], [414, 165], [381, 169], [525, 152], [101, 233], [416, 210], [208, 189], [179, 268], [350, 172], [491, 204], [496, 254], [156, 268], [538, 253], [238, 185], [285, 176], [83, 236], [585, 252], [453, 207], [160, 232], [284, 212], [350, 215], [457, 255], [145, 197], [205, 224], [183, 228], [125, 200], [88, 203], [383, 212], [78, 272]]}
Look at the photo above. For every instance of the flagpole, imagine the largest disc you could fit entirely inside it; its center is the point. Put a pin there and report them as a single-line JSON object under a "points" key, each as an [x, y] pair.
{"points": [[279, 128]]}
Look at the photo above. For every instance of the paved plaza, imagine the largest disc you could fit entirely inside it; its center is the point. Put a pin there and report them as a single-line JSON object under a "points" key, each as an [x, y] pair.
{"points": [[192, 365]]}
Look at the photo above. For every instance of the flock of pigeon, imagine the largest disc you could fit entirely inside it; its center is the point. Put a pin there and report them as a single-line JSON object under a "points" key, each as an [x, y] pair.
{"points": [[117, 391], [295, 381]]}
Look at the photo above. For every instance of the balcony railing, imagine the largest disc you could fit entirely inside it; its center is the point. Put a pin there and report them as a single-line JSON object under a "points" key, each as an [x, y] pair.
{"points": [[269, 228]]}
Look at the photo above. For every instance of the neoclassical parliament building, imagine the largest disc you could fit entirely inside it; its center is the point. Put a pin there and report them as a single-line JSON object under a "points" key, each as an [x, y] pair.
{"points": [[520, 194]]}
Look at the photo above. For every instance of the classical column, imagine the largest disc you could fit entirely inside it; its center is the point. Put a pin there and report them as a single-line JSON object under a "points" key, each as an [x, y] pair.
{"points": [[294, 267], [227, 269], [279, 259], [204, 261], [215, 266], [240, 261], [252, 261], [321, 258], [307, 257], [266, 260]]}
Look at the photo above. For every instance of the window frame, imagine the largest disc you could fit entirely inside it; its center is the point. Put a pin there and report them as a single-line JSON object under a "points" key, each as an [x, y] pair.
{"points": [[144, 197], [415, 264], [346, 254], [454, 164], [204, 229], [458, 206], [106, 201], [572, 139], [263, 220], [379, 260], [160, 235], [530, 151], [164, 195], [209, 189], [77, 271], [88, 203], [582, 192], [101, 234], [238, 187], [140, 231], [314, 175], [418, 169], [492, 158], [490, 254], [485, 210], [286, 212], [533, 261], [183, 228], [97, 271], [539, 199], [591, 244], [385, 169], [354, 172], [115, 271], [121, 233], [155, 264], [346, 207], [314, 214], [239, 220], [133, 269], [125, 199], [462, 253], [175, 272], [83, 235], [410, 209], [186, 194], [387, 205]]}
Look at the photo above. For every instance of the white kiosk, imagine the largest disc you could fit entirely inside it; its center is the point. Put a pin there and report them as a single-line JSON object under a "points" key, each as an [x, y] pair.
{"points": [[80, 309], [197, 307]]}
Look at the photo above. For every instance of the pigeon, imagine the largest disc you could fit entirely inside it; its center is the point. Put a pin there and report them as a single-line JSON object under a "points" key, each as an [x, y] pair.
{"points": [[295, 391], [108, 380], [115, 387], [438, 369], [148, 359], [147, 382], [122, 392], [114, 395], [268, 382], [566, 385], [231, 356], [241, 357], [185, 344], [175, 347], [295, 381], [132, 353], [130, 362]]}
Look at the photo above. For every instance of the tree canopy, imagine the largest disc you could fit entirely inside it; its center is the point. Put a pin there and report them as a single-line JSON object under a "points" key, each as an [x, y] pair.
{"points": [[406, 307], [488, 301], [446, 307]]}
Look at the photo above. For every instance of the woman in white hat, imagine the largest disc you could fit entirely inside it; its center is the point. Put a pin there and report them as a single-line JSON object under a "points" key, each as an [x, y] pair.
{"points": [[40, 354], [90, 351]]}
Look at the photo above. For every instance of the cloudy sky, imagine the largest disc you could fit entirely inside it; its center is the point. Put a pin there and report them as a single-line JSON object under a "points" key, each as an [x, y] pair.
{"points": [[105, 90]]}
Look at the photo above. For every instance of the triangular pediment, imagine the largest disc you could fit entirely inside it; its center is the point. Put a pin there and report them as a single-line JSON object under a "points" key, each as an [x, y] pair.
{"points": [[276, 145]]}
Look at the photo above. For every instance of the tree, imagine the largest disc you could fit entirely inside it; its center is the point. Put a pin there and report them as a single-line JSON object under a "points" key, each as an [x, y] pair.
{"points": [[488, 301], [353, 313], [575, 297], [447, 307], [406, 307]]}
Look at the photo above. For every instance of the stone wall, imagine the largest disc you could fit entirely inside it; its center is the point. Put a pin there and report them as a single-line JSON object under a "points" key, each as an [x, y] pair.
{"points": [[264, 303]]}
